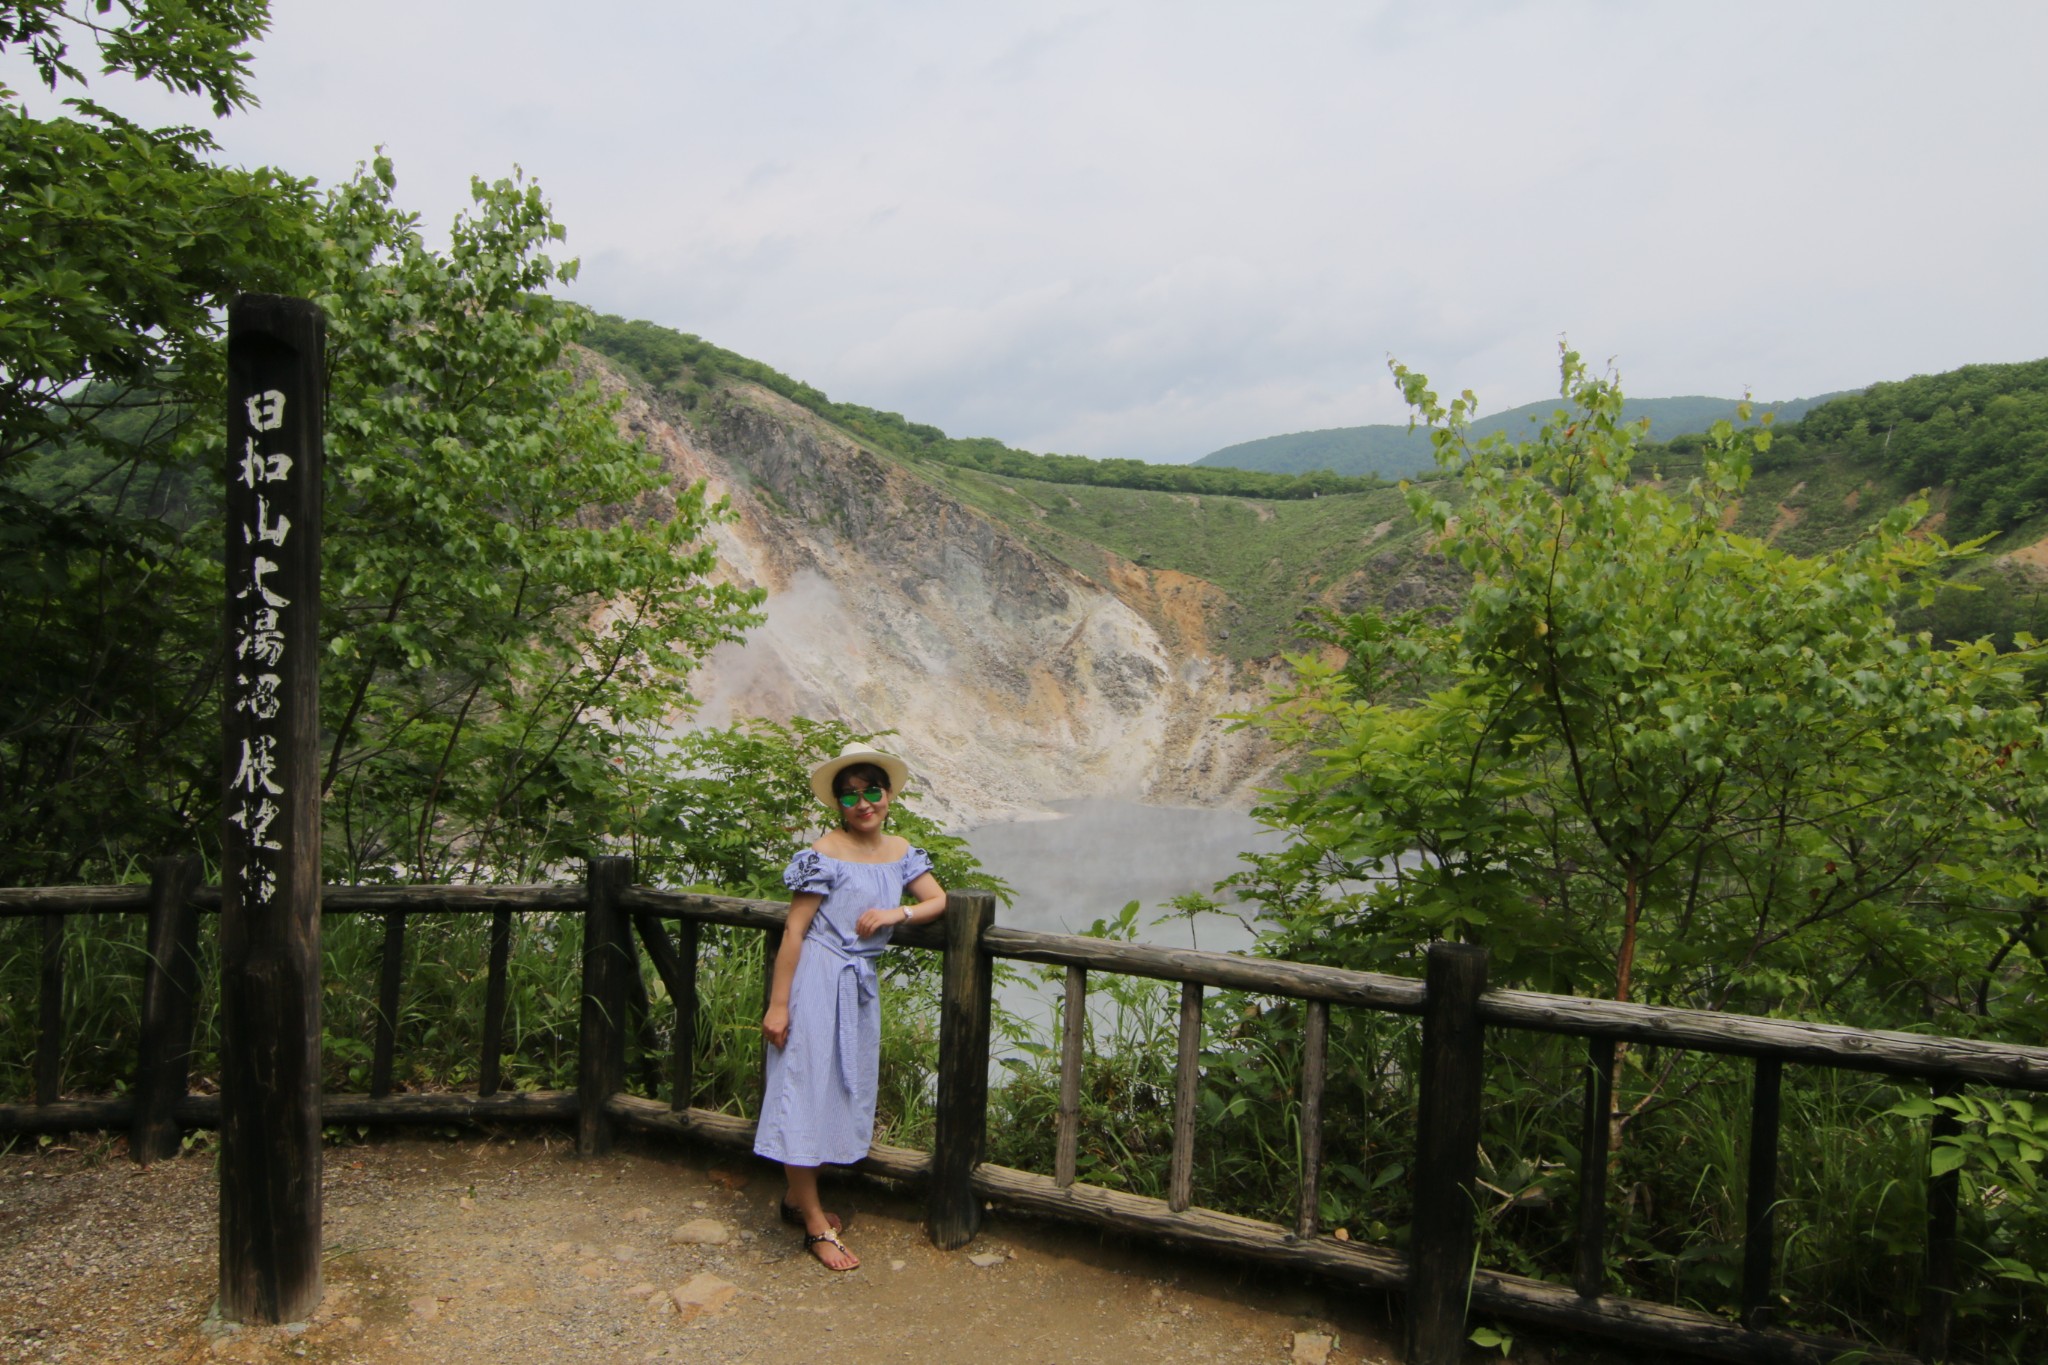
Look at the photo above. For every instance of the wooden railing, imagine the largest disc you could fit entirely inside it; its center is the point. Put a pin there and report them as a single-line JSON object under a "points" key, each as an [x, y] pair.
{"points": [[1436, 1275]]}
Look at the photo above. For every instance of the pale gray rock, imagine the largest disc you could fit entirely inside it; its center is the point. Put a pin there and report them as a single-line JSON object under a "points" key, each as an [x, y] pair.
{"points": [[1311, 1348], [702, 1232]]}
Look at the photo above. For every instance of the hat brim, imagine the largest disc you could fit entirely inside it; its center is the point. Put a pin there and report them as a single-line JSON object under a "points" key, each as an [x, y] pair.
{"points": [[826, 773]]}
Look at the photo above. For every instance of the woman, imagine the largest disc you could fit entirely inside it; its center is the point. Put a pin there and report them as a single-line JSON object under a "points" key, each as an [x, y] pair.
{"points": [[824, 1021]]}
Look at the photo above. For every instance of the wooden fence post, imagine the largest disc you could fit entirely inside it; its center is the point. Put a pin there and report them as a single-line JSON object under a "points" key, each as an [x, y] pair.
{"points": [[170, 986], [270, 825], [1073, 1024], [390, 981], [1315, 1049], [1760, 1199], [683, 1042], [676, 965], [1589, 1275], [1187, 1080], [489, 1066], [952, 1210], [601, 1039], [50, 1012], [1939, 1279], [1446, 1154]]}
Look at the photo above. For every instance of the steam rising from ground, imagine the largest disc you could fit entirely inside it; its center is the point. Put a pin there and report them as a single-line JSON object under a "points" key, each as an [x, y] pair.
{"points": [[1084, 865]]}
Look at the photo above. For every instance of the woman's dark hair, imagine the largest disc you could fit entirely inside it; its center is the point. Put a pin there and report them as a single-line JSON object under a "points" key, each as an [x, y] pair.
{"points": [[868, 773]]}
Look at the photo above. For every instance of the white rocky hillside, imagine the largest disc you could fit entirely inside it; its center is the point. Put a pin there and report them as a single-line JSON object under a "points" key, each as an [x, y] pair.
{"points": [[1010, 679]]}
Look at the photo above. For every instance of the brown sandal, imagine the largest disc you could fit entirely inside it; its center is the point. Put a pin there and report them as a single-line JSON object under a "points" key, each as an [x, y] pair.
{"points": [[811, 1240], [796, 1220]]}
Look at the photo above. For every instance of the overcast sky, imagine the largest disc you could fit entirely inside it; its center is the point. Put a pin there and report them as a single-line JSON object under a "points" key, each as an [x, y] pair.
{"points": [[1153, 230]]}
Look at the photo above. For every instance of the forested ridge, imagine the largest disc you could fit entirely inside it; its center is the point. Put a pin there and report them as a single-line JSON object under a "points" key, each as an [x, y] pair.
{"points": [[689, 367], [1981, 431]]}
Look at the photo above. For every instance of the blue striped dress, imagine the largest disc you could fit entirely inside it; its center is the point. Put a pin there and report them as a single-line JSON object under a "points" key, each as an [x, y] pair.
{"points": [[819, 1102]]}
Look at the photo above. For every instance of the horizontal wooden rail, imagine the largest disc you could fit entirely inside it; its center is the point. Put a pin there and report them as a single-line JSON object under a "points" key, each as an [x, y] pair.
{"points": [[1352, 1262], [1893, 1053], [79, 1116], [435, 900], [17, 901], [1226, 971], [737, 1135], [203, 1111], [511, 1106], [1671, 1329], [1898, 1054], [734, 910]]}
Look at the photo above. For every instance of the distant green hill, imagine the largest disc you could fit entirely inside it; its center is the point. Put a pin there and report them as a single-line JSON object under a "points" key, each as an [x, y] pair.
{"points": [[1395, 452]]}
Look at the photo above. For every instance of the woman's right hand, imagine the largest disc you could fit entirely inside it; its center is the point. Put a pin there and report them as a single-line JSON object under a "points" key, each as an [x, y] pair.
{"points": [[775, 1025]]}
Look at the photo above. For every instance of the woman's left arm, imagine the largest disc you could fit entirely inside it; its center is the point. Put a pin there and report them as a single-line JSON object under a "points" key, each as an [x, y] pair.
{"points": [[931, 903]]}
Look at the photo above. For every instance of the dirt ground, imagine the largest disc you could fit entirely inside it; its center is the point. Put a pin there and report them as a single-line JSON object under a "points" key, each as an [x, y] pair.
{"points": [[491, 1249]]}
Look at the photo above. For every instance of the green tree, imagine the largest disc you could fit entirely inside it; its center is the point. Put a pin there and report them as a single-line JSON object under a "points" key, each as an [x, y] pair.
{"points": [[119, 245], [513, 588], [1655, 759], [513, 583]]}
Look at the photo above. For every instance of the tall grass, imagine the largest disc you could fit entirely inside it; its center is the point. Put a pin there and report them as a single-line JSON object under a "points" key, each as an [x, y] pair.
{"points": [[103, 959]]}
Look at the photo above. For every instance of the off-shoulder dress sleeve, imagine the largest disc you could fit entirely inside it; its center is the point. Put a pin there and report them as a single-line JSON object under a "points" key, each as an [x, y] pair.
{"points": [[808, 871], [915, 864]]}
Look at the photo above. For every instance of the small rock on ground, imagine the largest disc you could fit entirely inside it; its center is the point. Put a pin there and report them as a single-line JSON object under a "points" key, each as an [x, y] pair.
{"points": [[1311, 1348], [701, 1232]]}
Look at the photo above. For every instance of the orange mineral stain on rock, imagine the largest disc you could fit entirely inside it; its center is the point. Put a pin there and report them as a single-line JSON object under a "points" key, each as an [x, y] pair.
{"points": [[1178, 604], [2033, 556], [1932, 526]]}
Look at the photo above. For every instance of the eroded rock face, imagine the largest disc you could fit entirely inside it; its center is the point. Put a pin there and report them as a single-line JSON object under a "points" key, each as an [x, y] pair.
{"points": [[1010, 679]]}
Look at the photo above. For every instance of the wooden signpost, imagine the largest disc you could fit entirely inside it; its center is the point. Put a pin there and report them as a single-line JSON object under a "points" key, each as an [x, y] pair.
{"points": [[270, 844]]}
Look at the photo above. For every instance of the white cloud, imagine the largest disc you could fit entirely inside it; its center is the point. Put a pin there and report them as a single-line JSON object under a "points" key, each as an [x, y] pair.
{"points": [[1155, 229]]}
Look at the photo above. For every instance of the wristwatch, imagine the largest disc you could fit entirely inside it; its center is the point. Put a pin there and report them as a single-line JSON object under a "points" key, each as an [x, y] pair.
{"points": [[906, 914]]}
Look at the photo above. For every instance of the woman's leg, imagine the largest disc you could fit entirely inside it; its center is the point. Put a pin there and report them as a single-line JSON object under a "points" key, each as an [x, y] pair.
{"points": [[803, 1197]]}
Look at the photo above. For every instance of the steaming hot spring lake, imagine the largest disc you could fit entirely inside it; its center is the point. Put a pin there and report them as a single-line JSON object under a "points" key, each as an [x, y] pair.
{"points": [[1096, 855]]}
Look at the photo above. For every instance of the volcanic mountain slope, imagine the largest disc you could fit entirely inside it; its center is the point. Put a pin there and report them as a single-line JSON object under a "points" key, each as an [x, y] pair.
{"points": [[1010, 677]]}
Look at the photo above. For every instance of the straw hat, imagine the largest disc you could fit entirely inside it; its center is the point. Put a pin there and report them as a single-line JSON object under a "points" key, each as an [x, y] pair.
{"points": [[826, 773]]}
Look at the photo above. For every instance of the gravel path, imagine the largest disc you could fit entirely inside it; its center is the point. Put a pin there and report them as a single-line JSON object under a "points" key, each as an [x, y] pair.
{"points": [[447, 1250]]}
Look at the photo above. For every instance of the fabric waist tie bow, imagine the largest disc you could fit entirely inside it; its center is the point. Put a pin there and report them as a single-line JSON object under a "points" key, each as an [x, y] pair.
{"points": [[855, 982]]}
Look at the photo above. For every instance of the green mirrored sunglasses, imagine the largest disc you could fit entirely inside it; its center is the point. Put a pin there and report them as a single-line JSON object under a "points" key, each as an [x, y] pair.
{"points": [[873, 796]]}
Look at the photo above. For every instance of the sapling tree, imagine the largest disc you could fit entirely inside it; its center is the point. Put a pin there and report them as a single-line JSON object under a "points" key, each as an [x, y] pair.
{"points": [[514, 584], [119, 246]]}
